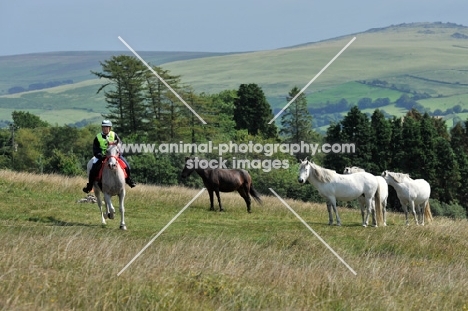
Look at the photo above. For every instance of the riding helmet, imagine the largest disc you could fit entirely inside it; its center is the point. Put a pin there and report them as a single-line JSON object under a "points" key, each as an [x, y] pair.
{"points": [[106, 123]]}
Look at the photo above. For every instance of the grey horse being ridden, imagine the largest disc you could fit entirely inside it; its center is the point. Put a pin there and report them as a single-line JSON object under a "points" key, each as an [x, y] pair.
{"points": [[113, 183]]}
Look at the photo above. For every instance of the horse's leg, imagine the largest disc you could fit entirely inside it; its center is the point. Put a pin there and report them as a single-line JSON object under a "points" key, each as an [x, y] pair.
{"points": [[362, 205], [110, 208], [369, 210], [244, 193], [384, 211], [330, 215], [122, 210], [423, 207], [373, 211], [413, 210], [219, 200], [99, 203], [210, 192], [420, 211], [405, 209], [335, 209], [248, 202]]}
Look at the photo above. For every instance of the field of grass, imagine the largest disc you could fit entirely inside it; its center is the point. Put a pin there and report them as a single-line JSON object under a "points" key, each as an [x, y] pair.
{"points": [[354, 92], [57, 256]]}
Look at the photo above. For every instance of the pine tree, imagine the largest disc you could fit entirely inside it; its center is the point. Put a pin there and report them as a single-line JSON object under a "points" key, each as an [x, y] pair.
{"points": [[125, 98], [335, 161], [296, 122], [223, 103], [445, 187], [411, 147], [459, 144], [252, 111], [161, 108], [381, 133], [428, 157], [356, 129], [397, 153]]}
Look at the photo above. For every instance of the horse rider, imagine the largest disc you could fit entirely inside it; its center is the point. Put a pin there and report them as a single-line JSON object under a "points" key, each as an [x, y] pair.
{"points": [[100, 145]]}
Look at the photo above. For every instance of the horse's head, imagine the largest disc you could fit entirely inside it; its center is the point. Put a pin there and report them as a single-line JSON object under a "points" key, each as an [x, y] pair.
{"points": [[388, 175], [189, 167], [112, 163], [352, 169], [304, 171], [112, 153]]}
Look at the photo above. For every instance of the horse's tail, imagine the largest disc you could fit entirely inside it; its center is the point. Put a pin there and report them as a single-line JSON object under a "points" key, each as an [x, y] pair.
{"points": [[254, 193], [378, 206], [427, 212]]}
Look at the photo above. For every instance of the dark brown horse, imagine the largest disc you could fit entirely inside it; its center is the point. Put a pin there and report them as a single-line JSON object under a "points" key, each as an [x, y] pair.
{"points": [[223, 180]]}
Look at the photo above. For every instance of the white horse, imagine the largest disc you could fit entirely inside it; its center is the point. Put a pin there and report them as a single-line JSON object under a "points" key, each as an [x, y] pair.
{"points": [[383, 192], [333, 186], [113, 183], [414, 193]]}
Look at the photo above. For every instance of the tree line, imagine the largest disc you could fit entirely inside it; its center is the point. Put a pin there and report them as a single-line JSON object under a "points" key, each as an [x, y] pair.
{"points": [[144, 110]]}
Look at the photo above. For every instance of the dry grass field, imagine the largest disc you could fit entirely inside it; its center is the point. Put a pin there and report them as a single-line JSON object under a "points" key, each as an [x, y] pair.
{"points": [[55, 254]]}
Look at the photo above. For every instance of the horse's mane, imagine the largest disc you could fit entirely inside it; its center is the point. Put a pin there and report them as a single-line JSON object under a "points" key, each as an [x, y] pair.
{"points": [[322, 174], [398, 177]]}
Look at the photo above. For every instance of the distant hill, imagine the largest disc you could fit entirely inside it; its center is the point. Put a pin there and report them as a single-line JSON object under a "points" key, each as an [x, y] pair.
{"points": [[427, 61], [26, 69]]}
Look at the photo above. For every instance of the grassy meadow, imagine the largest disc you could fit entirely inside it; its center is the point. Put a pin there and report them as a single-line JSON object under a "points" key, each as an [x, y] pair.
{"points": [[55, 254]]}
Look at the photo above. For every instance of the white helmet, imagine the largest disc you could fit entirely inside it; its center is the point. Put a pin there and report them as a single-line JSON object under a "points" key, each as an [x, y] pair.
{"points": [[106, 123]]}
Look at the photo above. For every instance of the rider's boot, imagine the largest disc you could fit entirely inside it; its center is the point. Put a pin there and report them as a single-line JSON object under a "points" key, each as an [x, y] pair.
{"points": [[91, 178], [129, 181]]}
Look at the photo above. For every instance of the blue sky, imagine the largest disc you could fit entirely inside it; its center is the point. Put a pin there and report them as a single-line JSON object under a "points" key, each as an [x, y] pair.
{"points": [[28, 26]]}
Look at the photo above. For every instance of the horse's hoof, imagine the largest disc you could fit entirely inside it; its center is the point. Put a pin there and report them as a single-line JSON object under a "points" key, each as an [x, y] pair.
{"points": [[364, 225], [110, 215], [123, 227]]}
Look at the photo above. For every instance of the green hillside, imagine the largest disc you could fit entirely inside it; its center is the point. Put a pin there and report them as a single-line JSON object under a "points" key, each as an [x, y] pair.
{"points": [[425, 57], [419, 58]]}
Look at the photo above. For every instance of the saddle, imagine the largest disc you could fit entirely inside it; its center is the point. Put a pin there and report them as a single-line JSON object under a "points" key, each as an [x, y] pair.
{"points": [[121, 163]]}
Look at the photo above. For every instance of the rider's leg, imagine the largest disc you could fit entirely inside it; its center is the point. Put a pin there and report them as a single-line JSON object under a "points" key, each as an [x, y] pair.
{"points": [[129, 179], [93, 173]]}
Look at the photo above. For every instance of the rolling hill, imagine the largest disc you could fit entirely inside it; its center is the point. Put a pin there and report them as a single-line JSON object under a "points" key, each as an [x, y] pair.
{"points": [[416, 58]]}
